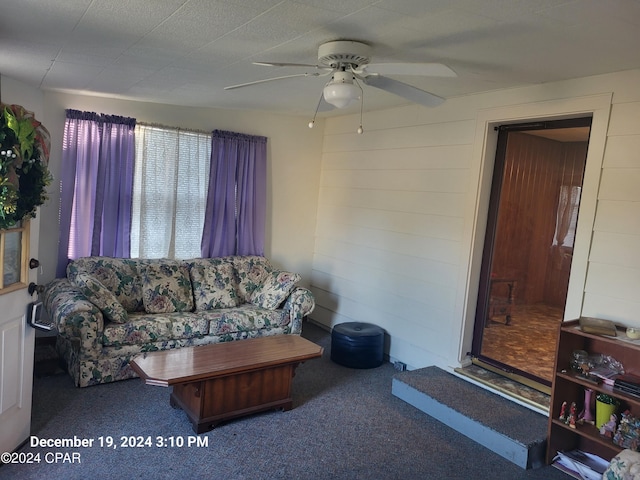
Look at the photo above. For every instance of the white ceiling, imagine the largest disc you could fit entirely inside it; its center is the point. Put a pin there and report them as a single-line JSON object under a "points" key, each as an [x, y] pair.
{"points": [[185, 52]]}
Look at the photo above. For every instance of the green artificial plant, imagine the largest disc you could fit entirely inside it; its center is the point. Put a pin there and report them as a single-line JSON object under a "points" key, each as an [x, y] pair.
{"points": [[24, 171]]}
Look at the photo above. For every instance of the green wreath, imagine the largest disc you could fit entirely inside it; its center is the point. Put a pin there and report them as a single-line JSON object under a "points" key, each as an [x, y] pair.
{"points": [[24, 171]]}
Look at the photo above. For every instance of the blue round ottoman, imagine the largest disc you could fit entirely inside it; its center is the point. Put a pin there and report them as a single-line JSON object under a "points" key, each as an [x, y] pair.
{"points": [[357, 345]]}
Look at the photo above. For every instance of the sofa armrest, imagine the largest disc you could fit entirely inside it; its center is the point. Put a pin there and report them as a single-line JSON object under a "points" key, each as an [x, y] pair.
{"points": [[298, 305], [74, 316]]}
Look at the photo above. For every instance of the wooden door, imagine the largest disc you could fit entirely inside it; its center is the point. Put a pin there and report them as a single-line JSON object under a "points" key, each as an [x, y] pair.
{"points": [[17, 338]]}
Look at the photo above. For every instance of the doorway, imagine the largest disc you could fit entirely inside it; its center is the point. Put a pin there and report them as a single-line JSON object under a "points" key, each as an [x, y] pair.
{"points": [[528, 248]]}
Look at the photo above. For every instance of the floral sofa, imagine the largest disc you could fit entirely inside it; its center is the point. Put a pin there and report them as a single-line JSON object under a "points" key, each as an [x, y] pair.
{"points": [[108, 310]]}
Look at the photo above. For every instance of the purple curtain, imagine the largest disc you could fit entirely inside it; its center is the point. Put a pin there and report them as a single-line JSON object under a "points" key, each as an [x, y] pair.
{"points": [[234, 221], [96, 186]]}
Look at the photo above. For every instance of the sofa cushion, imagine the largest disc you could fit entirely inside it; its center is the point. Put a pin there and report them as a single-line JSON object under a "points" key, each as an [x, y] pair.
{"points": [[274, 289], [166, 288], [245, 318], [118, 275], [145, 328], [101, 297], [214, 286]]}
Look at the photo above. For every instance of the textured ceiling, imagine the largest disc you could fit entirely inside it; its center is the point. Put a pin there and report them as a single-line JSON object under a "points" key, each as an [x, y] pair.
{"points": [[185, 52]]}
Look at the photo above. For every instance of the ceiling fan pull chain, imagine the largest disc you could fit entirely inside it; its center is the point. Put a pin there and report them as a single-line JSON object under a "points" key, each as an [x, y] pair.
{"points": [[360, 130], [313, 122]]}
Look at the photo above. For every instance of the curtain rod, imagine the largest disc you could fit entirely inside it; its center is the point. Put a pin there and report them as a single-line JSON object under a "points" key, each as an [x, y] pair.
{"points": [[177, 129]]}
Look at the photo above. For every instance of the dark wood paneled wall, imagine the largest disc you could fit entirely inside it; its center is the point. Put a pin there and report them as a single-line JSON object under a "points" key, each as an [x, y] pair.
{"points": [[535, 169], [559, 261]]}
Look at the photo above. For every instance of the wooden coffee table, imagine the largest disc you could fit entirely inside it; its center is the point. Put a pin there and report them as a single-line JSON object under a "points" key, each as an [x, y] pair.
{"points": [[221, 381]]}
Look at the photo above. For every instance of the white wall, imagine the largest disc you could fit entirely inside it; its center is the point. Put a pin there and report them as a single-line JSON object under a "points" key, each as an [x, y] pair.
{"points": [[293, 169], [400, 210], [613, 284], [14, 92]]}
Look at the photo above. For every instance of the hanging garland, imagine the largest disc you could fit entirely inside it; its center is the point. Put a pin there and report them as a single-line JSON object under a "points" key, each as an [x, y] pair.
{"points": [[24, 158]]}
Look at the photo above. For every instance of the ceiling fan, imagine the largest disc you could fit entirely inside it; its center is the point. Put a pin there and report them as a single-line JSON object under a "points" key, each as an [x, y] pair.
{"points": [[347, 61]]}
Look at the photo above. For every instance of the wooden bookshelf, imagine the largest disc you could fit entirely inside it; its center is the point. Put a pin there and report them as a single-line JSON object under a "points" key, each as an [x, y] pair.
{"points": [[569, 387]]}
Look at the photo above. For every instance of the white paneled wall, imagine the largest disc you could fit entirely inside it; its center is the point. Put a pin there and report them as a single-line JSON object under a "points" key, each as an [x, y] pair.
{"points": [[613, 284], [393, 237], [390, 225]]}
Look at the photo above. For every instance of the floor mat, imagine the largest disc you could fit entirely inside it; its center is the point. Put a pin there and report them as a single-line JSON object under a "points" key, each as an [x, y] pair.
{"points": [[507, 386]]}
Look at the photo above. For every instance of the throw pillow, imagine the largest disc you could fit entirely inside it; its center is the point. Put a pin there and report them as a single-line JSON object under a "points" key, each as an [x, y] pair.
{"points": [[214, 286], [251, 272], [166, 288], [274, 289], [625, 465], [101, 297]]}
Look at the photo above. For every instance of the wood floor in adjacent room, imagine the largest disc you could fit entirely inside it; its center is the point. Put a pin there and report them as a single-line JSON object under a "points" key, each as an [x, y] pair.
{"points": [[528, 343]]}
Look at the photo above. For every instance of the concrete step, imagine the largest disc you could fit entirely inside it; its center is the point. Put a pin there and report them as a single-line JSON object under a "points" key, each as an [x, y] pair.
{"points": [[513, 431]]}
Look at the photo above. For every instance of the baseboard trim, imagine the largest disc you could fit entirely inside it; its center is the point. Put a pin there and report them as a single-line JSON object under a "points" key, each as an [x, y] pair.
{"points": [[318, 324]]}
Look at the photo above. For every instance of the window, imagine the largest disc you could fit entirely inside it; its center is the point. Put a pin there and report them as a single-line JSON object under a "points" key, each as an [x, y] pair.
{"points": [[169, 192], [136, 190], [567, 216], [14, 250]]}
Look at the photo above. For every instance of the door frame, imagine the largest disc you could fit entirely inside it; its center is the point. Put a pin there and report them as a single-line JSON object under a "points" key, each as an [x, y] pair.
{"points": [[484, 285], [484, 152]]}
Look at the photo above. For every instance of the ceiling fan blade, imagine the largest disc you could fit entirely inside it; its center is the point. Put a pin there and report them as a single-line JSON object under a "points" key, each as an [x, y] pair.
{"points": [[256, 82], [422, 69], [279, 64], [403, 90]]}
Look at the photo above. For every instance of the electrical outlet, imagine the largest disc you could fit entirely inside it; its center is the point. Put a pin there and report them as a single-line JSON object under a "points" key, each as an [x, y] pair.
{"points": [[400, 366]]}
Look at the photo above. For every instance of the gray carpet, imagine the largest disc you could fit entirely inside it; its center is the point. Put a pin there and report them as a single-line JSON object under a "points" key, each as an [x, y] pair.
{"points": [[345, 424]]}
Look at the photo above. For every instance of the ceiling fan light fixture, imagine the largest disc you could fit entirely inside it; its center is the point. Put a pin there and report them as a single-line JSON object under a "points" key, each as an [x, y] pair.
{"points": [[340, 91]]}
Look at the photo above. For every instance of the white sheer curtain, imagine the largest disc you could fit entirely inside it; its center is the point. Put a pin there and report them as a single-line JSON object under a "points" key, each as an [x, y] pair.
{"points": [[567, 215], [169, 192]]}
